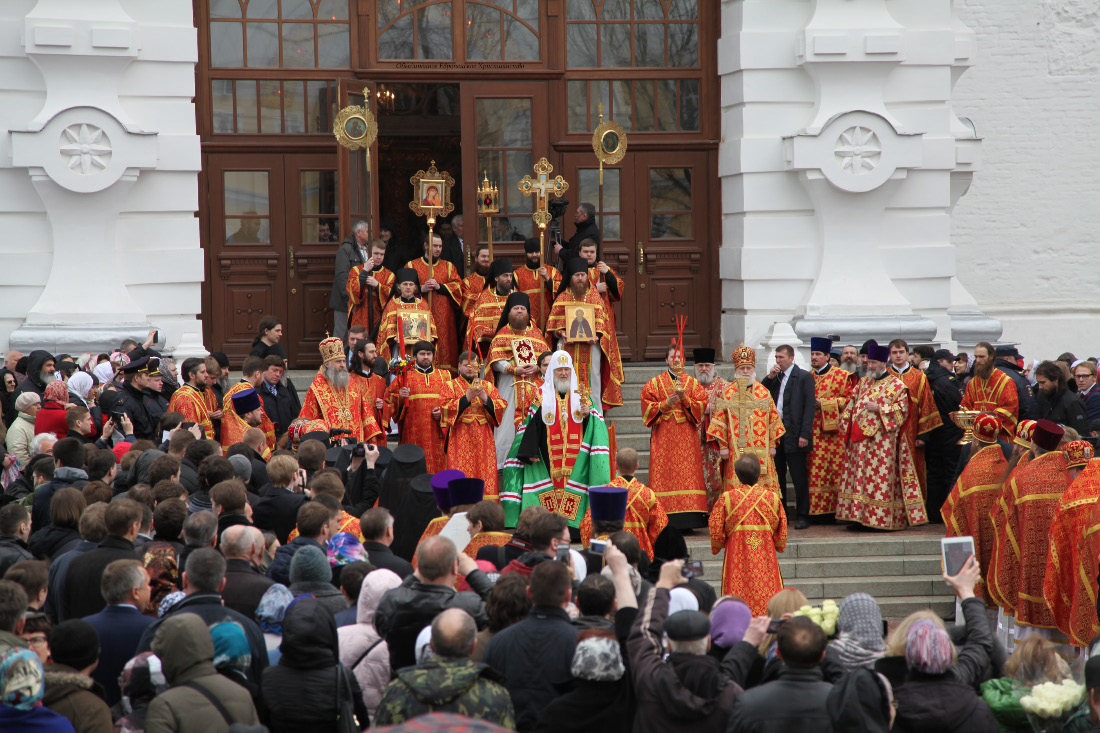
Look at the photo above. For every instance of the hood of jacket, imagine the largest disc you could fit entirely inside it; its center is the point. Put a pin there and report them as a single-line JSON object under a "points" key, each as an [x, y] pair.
{"points": [[699, 683], [440, 680], [35, 362], [185, 648], [374, 587], [526, 562], [144, 462], [62, 681], [310, 640], [65, 474]]}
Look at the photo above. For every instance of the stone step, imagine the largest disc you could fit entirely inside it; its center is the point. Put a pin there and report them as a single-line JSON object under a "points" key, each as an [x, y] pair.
{"points": [[858, 567], [628, 425], [879, 586], [889, 545]]}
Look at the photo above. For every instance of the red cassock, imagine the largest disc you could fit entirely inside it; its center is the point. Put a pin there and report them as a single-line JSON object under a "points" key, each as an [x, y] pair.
{"points": [[414, 414], [825, 463], [966, 510], [374, 388], [234, 428], [350, 409], [443, 303], [1021, 529], [923, 416], [996, 395], [1070, 584], [470, 447], [366, 302], [542, 297], [194, 406], [675, 455], [749, 523], [645, 516], [712, 452]]}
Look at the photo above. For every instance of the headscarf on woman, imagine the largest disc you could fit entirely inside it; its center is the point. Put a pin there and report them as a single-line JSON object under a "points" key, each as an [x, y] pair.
{"points": [[80, 384], [105, 372], [7, 399], [860, 626], [928, 648], [728, 622]]}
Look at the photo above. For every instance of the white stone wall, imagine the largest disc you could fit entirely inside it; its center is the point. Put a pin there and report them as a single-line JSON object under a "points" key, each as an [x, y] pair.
{"points": [[83, 252], [1026, 233]]}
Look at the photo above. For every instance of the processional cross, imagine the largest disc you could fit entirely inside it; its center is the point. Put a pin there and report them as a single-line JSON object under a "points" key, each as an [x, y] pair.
{"points": [[744, 403], [543, 187]]}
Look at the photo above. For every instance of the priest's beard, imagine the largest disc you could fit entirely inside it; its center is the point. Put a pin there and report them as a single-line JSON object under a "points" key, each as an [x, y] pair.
{"points": [[223, 382], [562, 386], [849, 366], [578, 291], [984, 372], [338, 378], [877, 374], [705, 379], [483, 271], [518, 323]]}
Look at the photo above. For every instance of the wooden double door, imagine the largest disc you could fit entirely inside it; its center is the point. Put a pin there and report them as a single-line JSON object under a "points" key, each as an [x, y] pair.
{"points": [[272, 235]]}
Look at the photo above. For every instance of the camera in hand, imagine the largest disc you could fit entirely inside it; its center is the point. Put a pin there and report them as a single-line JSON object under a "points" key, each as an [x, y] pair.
{"points": [[692, 569], [359, 451], [117, 416]]}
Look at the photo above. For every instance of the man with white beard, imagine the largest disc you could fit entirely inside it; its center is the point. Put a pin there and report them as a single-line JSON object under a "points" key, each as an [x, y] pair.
{"points": [[849, 360], [512, 360], [337, 399], [713, 384], [879, 486], [558, 454]]}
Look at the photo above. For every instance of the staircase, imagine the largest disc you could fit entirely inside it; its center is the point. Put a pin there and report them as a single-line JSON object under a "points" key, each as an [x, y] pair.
{"points": [[630, 431]]}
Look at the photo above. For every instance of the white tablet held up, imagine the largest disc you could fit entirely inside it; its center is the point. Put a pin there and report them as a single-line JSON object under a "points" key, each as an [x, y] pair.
{"points": [[955, 552]]}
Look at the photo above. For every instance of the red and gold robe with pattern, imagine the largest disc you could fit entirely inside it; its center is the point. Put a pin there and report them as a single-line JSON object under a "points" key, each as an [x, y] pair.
{"points": [[997, 395], [1083, 625], [1064, 580], [712, 457], [966, 510], [413, 415], [350, 409], [234, 428], [923, 416], [469, 428], [434, 527], [365, 303], [1021, 533], [194, 405], [645, 516], [348, 524], [542, 297], [610, 298], [879, 487], [486, 315], [825, 463], [374, 388], [750, 523], [611, 366], [674, 450], [387, 338], [443, 304], [473, 285], [503, 349], [486, 539], [747, 423]]}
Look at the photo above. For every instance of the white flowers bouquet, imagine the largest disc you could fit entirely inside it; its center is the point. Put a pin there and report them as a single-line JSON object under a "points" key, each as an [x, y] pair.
{"points": [[1050, 704], [824, 615]]}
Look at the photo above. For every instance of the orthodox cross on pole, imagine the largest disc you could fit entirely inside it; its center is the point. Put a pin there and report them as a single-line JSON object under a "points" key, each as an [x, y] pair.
{"points": [[543, 187], [744, 403]]}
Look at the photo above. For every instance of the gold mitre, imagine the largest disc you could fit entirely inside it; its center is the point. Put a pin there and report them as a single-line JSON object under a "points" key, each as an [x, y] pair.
{"points": [[331, 348], [743, 355]]}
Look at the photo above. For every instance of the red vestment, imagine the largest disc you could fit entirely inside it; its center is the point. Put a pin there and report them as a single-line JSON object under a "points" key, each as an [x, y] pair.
{"points": [[747, 423], [469, 426], [966, 510], [485, 316], [923, 416], [674, 451], [194, 406], [387, 338], [413, 415], [434, 527], [374, 388], [645, 516], [1069, 586], [712, 457], [365, 303], [997, 395], [825, 463], [542, 296], [611, 366], [879, 487], [1021, 529], [750, 524], [443, 304], [473, 285], [350, 409], [234, 428], [487, 539]]}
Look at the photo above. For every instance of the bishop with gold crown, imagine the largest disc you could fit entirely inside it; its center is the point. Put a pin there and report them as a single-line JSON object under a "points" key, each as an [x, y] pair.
{"points": [[338, 399], [745, 421]]}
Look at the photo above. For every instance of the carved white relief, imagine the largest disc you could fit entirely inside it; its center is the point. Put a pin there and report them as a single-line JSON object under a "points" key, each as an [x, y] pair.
{"points": [[858, 150], [87, 148]]}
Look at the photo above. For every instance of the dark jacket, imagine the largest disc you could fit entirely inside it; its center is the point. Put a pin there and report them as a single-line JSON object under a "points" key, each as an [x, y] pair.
{"points": [[62, 477], [411, 606], [453, 253], [301, 691], [120, 629], [587, 229], [525, 564], [1063, 407], [51, 541], [243, 587], [279, 570], [940, 704], [33, 383], [328, 595], [209, 607], [187, 655], [81, 596], [446, 684], [798, 407], [156, 405], [607, 707], [277, 511], [132, 402], [793, 703], [381, 556], [77, 697], [533, 656], [189, 475], [282, 407], [1029, 410], [684, 692], [12, 550], [347, 257], [59, 568]]}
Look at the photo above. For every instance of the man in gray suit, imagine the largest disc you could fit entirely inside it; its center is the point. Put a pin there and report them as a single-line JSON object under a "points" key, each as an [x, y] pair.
{"points": [[353, 251], [792, 391]]}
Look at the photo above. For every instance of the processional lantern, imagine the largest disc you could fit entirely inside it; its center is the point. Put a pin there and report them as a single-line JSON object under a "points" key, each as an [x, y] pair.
{"points": [[488, 205]]}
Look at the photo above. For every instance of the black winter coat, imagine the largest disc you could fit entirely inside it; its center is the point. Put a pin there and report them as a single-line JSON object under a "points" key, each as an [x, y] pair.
{"points": [[940, 704], [132, 402], [793, 703], [606, 707], [301, 691], [81, 596], [12, 550], [52, 540], [1065, 408], [277, 512]]}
